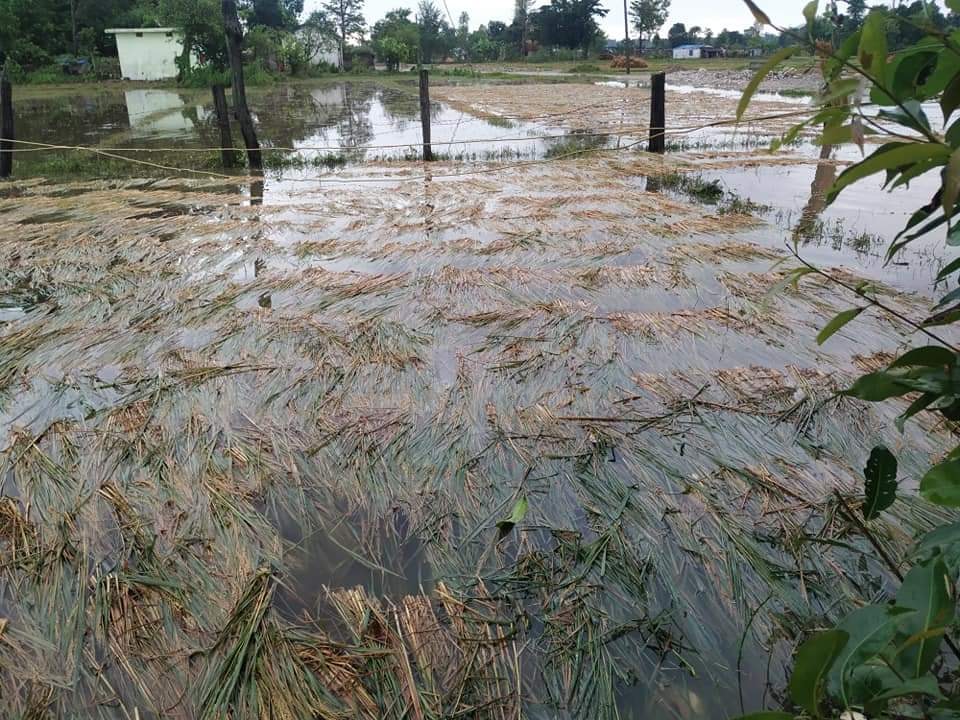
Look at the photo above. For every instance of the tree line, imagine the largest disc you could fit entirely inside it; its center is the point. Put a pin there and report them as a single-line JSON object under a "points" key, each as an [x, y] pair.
{"points": [[34, 33]]}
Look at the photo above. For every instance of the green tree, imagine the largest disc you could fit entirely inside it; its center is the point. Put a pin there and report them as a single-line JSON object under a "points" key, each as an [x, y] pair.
{"points": [[648, 17], [853, 19], [522, 11], [432, 31], [677, 34], [202, 25], [395, 38], [482, 45], [9, 31], [731, 39], [569, 23], [347, 17], [317, 34], [279, 14], [463, 35]]}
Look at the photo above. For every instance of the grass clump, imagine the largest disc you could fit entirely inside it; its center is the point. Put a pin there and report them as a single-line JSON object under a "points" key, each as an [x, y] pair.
{"points": [[574, 143], [693, 186], [287, 160], [708, 192]]}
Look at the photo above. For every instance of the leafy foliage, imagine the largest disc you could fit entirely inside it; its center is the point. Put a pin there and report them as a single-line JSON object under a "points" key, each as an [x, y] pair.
{"points": [[879, 658], [568, 23], [433, 31], [648, 16], [881, 485], [347, 17], [396, 38]]}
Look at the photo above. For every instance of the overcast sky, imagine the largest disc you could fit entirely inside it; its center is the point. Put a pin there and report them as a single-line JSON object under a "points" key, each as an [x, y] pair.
{"points": [[713, 14]]}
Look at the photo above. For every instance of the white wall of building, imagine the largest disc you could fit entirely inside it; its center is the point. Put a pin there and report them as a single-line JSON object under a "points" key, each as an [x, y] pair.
{"points": [[148, 53], [330, 56], [326, 48], [686, 51]]}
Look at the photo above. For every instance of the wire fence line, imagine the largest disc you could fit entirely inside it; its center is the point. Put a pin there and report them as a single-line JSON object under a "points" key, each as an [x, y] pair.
{"points": [[35, 146], [114, 153]]}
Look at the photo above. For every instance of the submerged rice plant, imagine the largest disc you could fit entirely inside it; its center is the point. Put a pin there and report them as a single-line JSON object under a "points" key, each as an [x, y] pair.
{"points": [[536, 442]]}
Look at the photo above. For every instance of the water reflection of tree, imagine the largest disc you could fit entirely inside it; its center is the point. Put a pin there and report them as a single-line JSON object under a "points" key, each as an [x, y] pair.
{"points": [[354, 125], [305, 116], [809, 224], [73, 119], [287, 116], [401, 106]]}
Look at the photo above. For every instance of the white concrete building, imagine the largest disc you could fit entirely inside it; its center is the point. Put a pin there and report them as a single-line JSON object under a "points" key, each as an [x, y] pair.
{"points": [[148, 53]]}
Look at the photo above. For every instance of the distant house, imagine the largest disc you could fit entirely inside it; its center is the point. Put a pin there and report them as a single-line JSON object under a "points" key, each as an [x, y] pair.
{"points": [[681, 52], [148, 53]]}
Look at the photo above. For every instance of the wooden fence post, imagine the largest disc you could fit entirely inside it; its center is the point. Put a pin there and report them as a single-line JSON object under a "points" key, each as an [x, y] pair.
{"points": [[234, 48], [6, 127], [658, 113], [223, 122], [425, 113]]}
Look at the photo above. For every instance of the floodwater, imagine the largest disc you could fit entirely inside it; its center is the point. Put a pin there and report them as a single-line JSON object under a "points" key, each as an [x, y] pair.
{"points": [[354, 382], [349, 121]]}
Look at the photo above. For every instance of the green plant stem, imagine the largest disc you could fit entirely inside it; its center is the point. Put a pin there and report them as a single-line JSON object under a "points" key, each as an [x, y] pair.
{"points": [[849, 514], [743, 639], [873, 301]]}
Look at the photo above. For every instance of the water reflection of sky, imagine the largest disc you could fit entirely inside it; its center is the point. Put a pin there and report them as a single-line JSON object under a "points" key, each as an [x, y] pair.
{"points": [[385, 127], [357, 122], [353, 119]]}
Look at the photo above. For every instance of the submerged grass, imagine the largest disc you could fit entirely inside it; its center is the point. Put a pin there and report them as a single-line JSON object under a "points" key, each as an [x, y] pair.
{"points": [[548, 419]]}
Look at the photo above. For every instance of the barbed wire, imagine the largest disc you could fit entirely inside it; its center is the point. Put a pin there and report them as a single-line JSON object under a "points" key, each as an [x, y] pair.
{"points": [[36, 146], [113, 153]]}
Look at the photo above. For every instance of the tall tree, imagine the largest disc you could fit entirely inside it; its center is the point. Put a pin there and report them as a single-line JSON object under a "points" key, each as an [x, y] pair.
{"points": [[347, 16], [677, 34], [396, 38], [280, 14], [433, 28], [202, 25], [522, 10], [569, 23], [856, 11], [648, 17], [316, 34], [463, 35]]}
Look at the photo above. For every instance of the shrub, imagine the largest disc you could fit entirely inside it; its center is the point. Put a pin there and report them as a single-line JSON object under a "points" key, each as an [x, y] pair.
{"points": [[204, 76]]}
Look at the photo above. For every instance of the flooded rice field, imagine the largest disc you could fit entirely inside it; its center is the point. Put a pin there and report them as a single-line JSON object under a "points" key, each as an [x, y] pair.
{"points": [[512, 438], [342, 122]]}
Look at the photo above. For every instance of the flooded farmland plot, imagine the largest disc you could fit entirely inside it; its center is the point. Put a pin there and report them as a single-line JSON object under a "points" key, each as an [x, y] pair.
{"points": [[516, 434]]}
